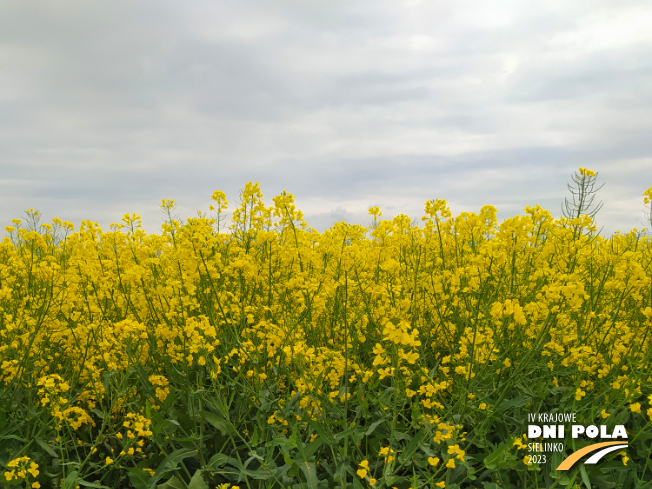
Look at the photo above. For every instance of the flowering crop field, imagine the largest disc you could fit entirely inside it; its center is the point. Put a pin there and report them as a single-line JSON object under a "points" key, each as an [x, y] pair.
{"points": [[266, 354]]}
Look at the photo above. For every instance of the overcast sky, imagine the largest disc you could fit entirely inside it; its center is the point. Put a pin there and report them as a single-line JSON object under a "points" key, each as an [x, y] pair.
{"points": [[109, 107]]}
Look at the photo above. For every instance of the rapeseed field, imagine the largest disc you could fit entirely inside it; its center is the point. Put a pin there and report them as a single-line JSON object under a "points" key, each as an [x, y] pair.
{"points": [[261, 353]]}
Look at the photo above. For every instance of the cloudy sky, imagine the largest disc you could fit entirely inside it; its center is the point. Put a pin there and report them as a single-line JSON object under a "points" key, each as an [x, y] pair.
{"points": [[109, 107]]}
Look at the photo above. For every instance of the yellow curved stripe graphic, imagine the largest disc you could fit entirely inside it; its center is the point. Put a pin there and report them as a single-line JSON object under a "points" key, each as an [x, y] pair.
{"points": [[574, 457]]}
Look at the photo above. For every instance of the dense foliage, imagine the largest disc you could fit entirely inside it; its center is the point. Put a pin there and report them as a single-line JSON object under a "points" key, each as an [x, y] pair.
{"points": [[267, 354]]}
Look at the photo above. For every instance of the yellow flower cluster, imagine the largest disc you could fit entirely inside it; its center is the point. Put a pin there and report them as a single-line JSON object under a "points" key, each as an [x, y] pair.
{"points": [[161, 384], [137, 426], [22, 467], [388, 454], [75, 416], [51, 386], [428, 318]]}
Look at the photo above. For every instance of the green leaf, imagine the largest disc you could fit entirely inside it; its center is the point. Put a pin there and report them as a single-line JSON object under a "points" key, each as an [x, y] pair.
{"points": [[399, 435], [106, 380], [138, 477], [185, 439], [13, 437], [343, 466], [602, 484], [411, 448], [555, 460], [98, 413], [171, 462], [92, 484], [217, 461], [172, 483], [312, 447], [197, 481], [254, 437], [310, 471], [373, 426], [220, 423], [286, 446], [165, 425], [347, 432], [71, 481], [585, 477], [566, 481], [259, 474], [317, 426], [494, 459], [357, 484], [46, 447], [517, 402], [559, 390], [390, 479], [491, 485]]}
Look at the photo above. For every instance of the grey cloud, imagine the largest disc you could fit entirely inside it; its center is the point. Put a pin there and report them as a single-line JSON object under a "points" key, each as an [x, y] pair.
{"points": [[107, 108]]}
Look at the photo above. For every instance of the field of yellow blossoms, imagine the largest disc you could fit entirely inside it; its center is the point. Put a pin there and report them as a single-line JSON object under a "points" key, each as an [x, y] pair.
{"points": [[264, 354]]}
